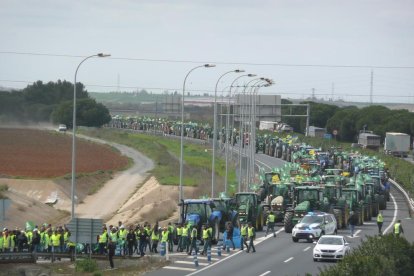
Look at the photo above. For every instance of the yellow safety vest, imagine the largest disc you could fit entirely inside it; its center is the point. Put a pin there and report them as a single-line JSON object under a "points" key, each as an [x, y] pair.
{"points": [[6, 242], [66, 236], [206, 234], [1, 242], [397, 228], [154, 236], [113, 237], [122, 234], [179, 231], [164, 236], [103, 238], [380, 218], [56, 239], [171, 229], [29, 236], [185, 231], [271, 218], [12, 241], [243, 231], [250, 231]]}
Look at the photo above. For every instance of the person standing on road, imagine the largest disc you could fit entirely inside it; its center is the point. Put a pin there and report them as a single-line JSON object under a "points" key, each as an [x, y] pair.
{"points": [[251, 234], [398, 228], [184, 238], [103, 241], [170, 237], [165, 237], [229, 236], [143, 237], [131, 239], [193, 237], [179, 237], [155, 237], [270, 221], [113, 239], [206, 238], [352, 221], [243, 233], [380, 220]]}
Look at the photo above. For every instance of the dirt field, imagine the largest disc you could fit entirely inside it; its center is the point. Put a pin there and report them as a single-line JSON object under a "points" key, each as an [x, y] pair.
{"points": [[45, 154]]}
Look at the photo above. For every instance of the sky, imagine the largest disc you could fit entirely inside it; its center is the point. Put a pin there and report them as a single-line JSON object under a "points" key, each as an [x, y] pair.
{"points": [[326, 47]]}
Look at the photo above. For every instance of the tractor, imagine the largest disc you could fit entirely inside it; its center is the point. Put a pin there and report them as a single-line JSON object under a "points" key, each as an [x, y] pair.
{"points": [[228, 214], [249, 209], [197, 212]]}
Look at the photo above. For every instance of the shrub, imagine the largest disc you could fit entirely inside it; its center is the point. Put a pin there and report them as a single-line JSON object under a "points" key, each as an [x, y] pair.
{"points": [[86, 265]]}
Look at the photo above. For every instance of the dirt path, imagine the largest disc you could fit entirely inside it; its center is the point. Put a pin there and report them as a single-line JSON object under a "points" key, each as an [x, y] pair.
{"points": [[117, 191]]}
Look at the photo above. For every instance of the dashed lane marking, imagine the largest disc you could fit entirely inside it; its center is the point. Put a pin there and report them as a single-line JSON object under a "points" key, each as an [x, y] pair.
{"points": [[179, 268], [190, 263], [307, 248], [263, 274], [288, 260]]}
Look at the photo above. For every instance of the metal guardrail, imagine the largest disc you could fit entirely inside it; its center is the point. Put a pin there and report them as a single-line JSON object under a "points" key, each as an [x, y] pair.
{"points": [[409, 200]]}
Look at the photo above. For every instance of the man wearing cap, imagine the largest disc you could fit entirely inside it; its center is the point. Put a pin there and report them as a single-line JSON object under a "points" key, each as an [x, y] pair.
{"points": [[103, 241], [193, 240], [113, 238], [122, 233], [35, 241], [165, 236]]}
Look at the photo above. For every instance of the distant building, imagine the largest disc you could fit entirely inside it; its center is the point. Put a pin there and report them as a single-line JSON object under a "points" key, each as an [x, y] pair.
{"points": [[317, 131]]}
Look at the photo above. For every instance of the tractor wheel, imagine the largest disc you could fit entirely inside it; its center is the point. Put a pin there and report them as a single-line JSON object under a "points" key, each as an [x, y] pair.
{"points": [[366, 213], [338, 216], [345, 217], [295, 239], [216, 231], [375, 209], [288, 222], [360, 216], [382, 203]]}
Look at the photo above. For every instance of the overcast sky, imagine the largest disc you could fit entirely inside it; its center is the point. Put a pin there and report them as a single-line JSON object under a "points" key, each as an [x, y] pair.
{"points": [[154, 44]]}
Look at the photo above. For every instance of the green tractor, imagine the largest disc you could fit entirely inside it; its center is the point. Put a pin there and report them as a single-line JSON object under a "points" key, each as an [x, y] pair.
{"points": [[260, 144], [279, 199], [355, 202], [333, 193], [305, 199], [249, 209]]}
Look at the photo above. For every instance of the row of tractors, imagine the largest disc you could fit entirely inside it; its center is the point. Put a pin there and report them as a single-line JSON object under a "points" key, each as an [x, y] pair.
{"points": [[334, 181]]}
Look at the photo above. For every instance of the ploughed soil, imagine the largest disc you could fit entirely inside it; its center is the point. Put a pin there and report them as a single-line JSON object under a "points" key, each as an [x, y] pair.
{"points": [[32, 153]]}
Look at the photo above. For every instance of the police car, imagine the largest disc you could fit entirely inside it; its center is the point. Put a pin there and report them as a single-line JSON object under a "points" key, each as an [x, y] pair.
{"points": [[314, 225]]}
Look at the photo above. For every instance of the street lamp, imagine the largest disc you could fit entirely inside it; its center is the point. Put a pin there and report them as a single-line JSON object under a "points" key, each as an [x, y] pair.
{"points": [[213, 166], [180, 196], [227, 129], [74, 134]]}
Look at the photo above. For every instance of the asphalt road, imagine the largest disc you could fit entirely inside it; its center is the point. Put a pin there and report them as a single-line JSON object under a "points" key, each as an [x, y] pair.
{"points": [[280, 255]]}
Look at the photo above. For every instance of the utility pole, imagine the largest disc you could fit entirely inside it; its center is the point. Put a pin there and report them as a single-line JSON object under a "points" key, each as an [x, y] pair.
{"points": [[332, 92], [117, 84], [371, 87], [313, 94]]}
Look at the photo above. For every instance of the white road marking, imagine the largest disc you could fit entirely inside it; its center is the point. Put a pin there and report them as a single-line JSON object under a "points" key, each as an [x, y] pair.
{"points": [[395, 214], [232, 255], [263, 274], [179, 268], [203, 258], [307, 248], [288, 260], [190, 263], [370, 223]]}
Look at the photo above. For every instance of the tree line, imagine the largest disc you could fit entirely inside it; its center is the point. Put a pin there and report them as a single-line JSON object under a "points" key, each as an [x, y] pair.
{"points": [[348, 121], [51, 102]]}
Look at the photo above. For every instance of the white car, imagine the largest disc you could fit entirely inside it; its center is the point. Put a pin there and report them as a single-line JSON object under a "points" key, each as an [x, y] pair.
{"points": [[62, 127], [314, 225], [331, 247]]}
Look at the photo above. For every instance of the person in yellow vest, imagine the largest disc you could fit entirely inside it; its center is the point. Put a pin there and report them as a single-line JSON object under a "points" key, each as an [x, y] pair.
{"points": [[193, 240], [179, 236], [48, 240], [55, 239], [380, 220], [206, 236], [1, 241], [165, 236], [251, 233], [184, 238], [6, 240], [35, 241], [13, 244], [147, 228], [43, 245], [113, 239], [103, 241], [243, 234], [66, 236], [170, 229], [122, 234], [137, 232], [398, 230], [29, 236], [155, 237], [270, 222]]}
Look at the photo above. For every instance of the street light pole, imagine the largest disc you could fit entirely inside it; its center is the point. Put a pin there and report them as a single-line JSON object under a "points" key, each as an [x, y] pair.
{"points": [[180, 193], [213, 165], [74, 134]]}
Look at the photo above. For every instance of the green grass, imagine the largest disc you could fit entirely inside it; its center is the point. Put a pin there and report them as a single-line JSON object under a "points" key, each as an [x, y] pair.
{"points": [[165, 153]]}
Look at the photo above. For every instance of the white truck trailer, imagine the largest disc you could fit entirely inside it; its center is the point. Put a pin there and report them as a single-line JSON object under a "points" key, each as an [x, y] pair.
{"points": [[397, 144]]}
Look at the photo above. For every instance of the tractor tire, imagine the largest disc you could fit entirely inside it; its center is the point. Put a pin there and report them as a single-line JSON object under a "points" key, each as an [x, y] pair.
{"points": [[382, 203], [295, 239], [261, 222], [288, 222], [338, 216], [360, 214], [375, 209]]}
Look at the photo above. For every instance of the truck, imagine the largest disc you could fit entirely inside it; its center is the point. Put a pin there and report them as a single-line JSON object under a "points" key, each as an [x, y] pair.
{"points": [[397, 144], [267, 125], [369, 140]]}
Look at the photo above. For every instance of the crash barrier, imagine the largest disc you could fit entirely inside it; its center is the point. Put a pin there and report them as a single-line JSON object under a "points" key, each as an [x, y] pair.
{"points": [[409, 200]]}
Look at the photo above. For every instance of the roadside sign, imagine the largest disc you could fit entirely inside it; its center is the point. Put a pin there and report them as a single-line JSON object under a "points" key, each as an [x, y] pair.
{"points": [[335, 132], [327, 136], [4, 205], [85, 230]]}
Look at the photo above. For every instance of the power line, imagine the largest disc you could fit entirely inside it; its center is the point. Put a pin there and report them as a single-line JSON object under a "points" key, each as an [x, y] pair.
{"points": [[217, 62]]}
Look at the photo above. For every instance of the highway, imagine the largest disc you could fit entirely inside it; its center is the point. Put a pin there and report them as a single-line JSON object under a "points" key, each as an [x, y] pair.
{"points": [[280, 255]]}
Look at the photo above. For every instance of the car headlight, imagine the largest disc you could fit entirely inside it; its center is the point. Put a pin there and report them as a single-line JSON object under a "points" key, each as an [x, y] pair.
{"points": [[316, 227], [316, 250]]}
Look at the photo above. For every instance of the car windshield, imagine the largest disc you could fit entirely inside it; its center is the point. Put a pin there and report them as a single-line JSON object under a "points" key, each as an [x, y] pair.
{"points": [[195, 208], [330, 240], [312, 219]]}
